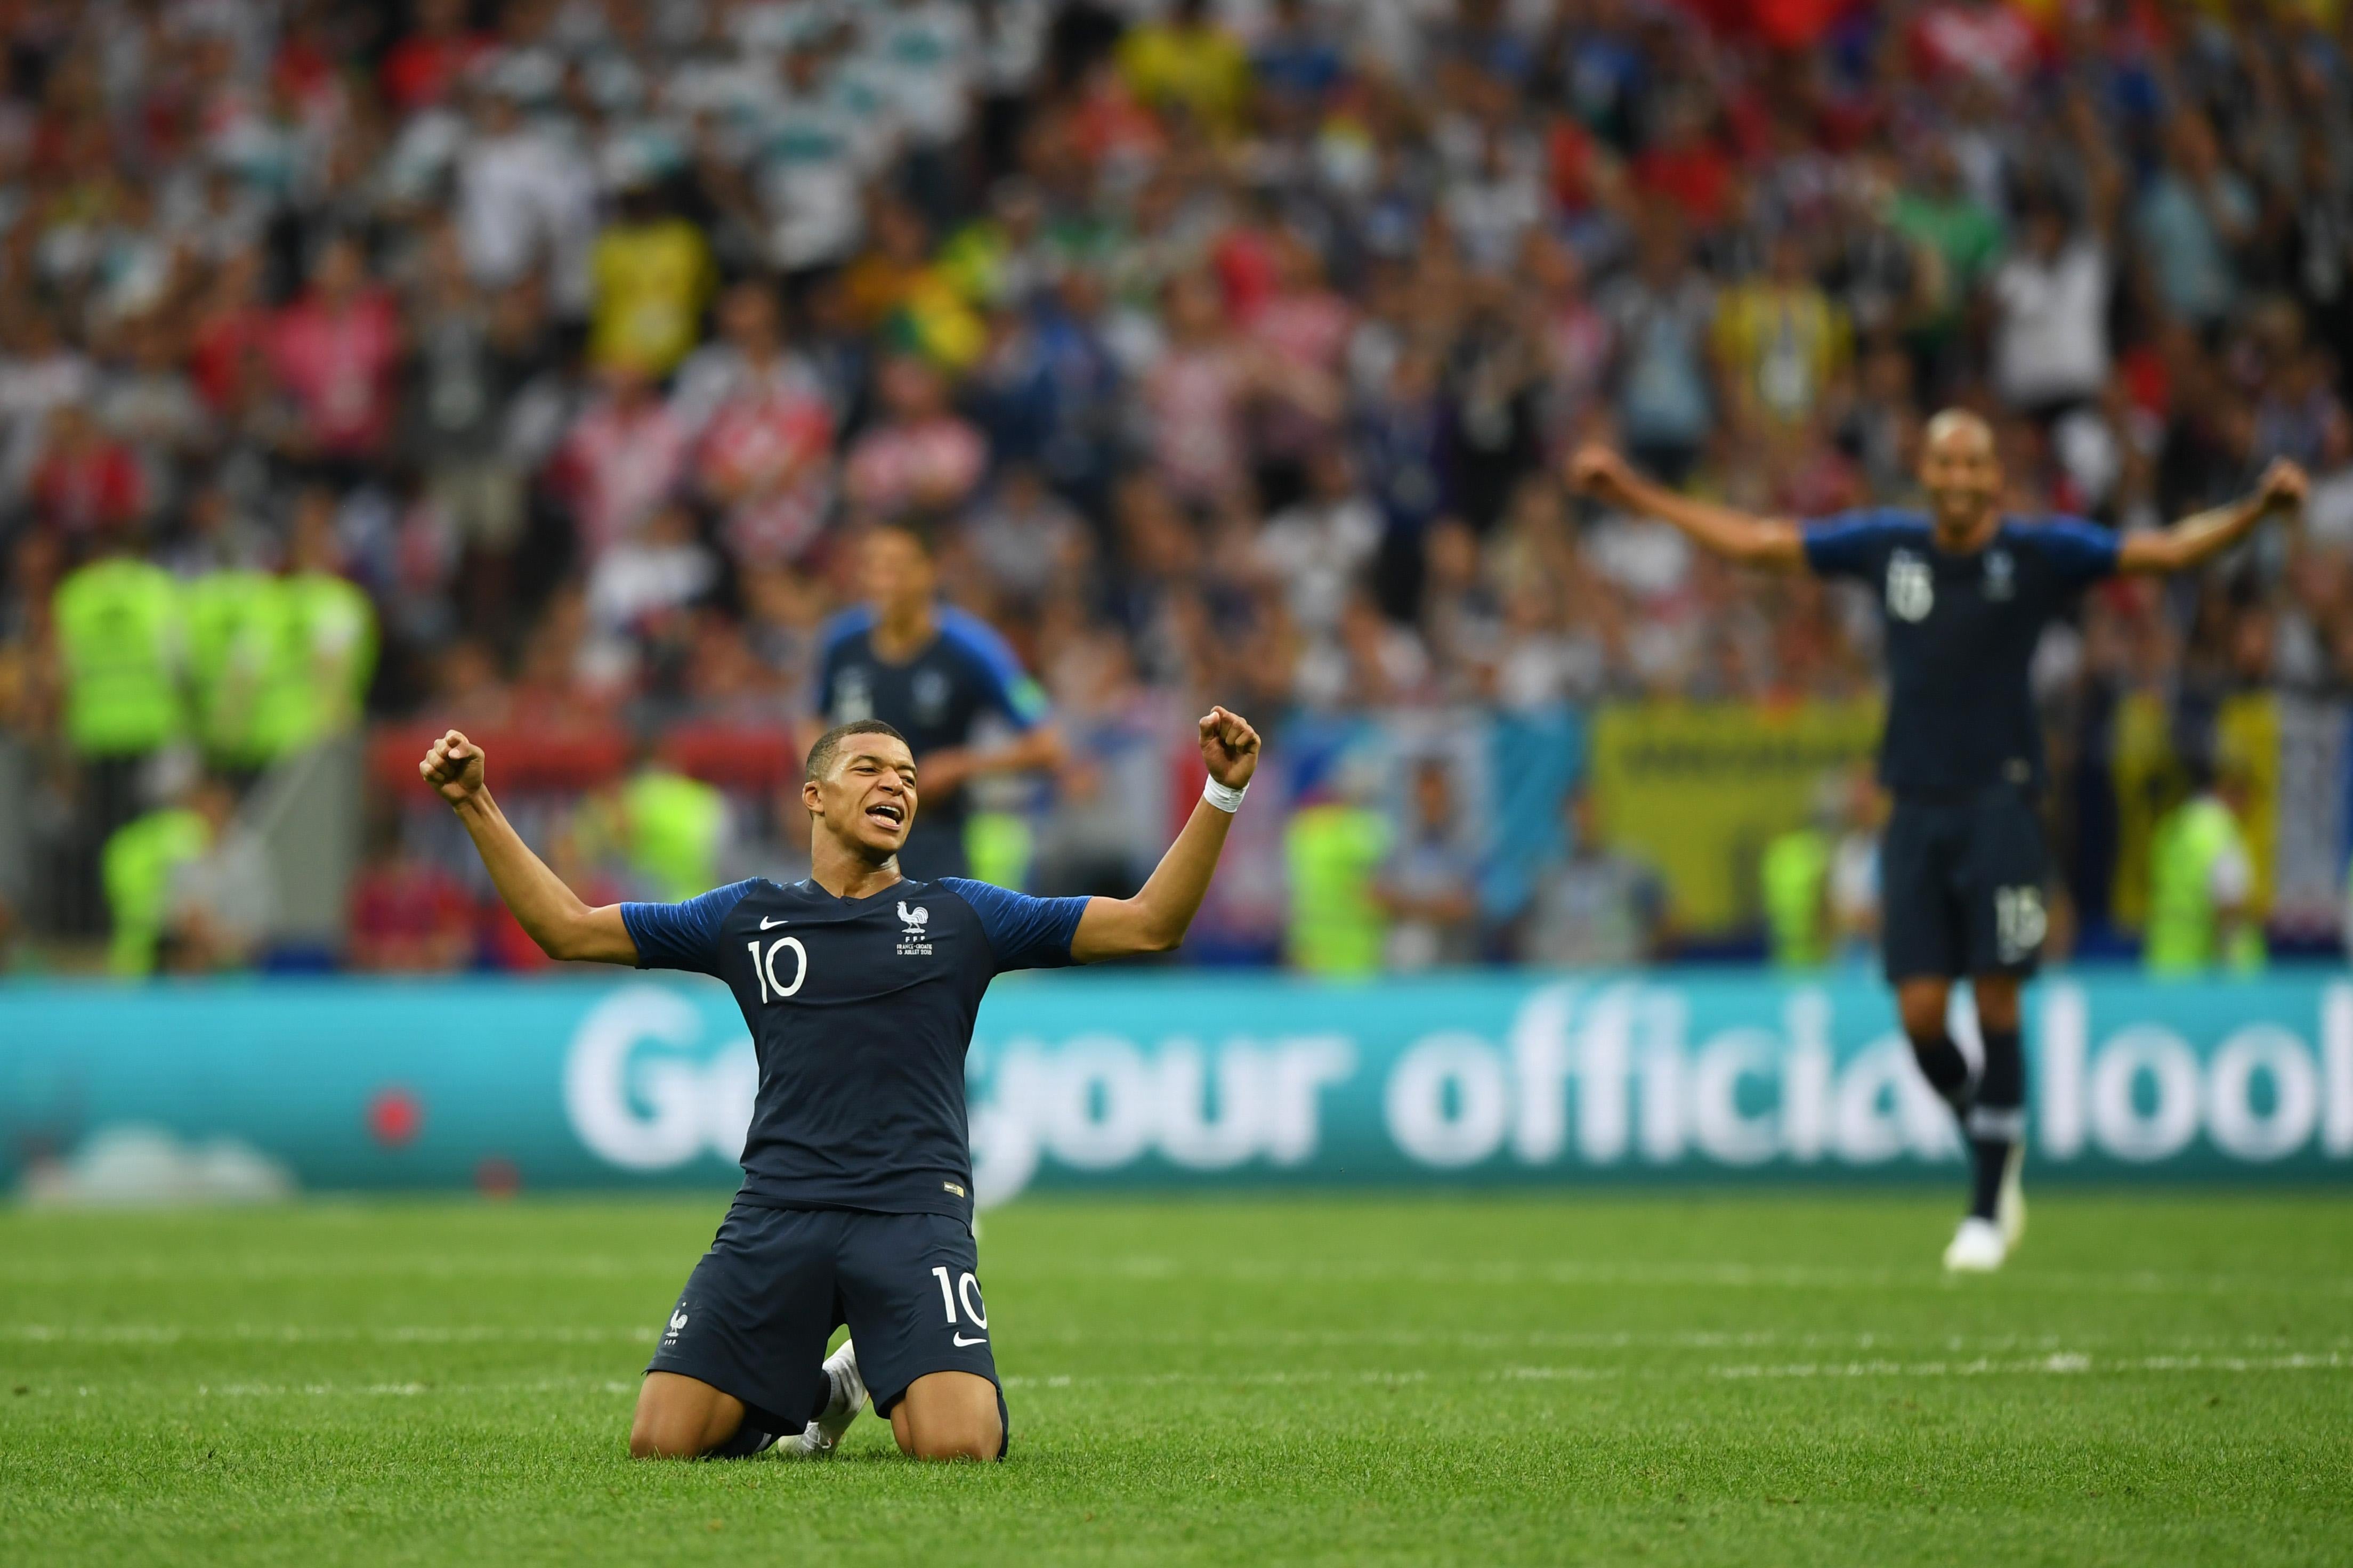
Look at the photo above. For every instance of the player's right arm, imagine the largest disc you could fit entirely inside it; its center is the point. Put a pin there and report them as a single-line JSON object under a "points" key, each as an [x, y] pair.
{"points": [[1602, 473], [551, 913]]}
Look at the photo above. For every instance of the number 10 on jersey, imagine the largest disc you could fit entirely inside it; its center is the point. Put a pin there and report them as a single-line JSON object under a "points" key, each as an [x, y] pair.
{"points": [[763, 967]]}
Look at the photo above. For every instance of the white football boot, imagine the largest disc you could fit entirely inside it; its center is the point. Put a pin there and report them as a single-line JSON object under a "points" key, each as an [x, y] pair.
{"points": [[849, 1398], [2009, 1208], [1977, 1247]]}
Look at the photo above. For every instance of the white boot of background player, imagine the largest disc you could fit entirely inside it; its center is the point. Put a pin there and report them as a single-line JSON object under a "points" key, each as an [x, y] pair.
{"points": [[2009, 1208], [1982, 1246], [841, 1407], [1977, 1247]]}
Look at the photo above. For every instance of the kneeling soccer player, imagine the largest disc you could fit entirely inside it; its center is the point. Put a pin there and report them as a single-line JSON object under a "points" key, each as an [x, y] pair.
{"points": [[860, 987]]}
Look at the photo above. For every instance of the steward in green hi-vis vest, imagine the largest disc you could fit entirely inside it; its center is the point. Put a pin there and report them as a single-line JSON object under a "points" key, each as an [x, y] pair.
{"points": [[119, 640], [673, 827], [137, 867], [234, 625], [1796, 874], [2200, 878], [323, 655], [1333, 852]]}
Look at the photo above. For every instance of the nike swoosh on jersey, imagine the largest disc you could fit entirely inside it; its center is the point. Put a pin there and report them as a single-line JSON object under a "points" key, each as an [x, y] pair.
{"points": [[766, 921], [962, 1341]]}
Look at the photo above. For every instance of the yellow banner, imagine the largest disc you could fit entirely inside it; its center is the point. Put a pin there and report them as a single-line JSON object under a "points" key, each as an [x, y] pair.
{"points": [[1699, 789]]}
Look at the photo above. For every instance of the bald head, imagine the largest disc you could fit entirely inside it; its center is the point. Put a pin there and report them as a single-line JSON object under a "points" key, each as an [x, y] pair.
{"points": [[1961, 472], [1950, 426]]}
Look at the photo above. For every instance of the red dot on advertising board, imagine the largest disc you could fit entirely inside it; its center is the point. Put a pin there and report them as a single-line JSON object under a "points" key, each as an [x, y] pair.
{"points": [[394, 1118], [496, 1178]]}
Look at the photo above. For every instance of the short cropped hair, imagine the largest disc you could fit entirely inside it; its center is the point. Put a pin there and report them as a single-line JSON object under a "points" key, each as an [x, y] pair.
{"points": [[821, 755]]}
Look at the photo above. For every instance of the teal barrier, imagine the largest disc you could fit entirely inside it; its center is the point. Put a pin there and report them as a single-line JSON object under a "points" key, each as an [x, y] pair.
{"points": [[1184, 1080]]}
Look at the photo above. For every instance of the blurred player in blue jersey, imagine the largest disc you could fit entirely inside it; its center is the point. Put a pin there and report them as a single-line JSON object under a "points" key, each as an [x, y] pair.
{"points": [[1966, 592], [932, 673], [859, 985]]}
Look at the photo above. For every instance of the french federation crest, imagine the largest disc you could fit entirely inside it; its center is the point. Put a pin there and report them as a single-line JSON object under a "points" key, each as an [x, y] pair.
{"points": [[931, 693], [853, 696], [2001, 575], [1911, 587], [914, 931]]}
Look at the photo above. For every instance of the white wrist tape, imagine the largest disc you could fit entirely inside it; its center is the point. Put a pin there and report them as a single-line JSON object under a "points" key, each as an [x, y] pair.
{"points": [[1225, 797]]}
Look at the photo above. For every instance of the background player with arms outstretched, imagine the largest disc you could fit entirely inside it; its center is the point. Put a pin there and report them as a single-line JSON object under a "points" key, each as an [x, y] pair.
{"points": [[1966, 592], [861, 987], [933, 673]]}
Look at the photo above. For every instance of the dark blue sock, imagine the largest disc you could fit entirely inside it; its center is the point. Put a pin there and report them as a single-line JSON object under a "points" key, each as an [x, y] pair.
{"points": [[747, 1441], [1997, 1122], [1947, 1070]]}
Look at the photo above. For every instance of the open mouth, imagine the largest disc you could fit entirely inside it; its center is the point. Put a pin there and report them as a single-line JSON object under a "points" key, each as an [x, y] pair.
{"points": [[887, 811]]}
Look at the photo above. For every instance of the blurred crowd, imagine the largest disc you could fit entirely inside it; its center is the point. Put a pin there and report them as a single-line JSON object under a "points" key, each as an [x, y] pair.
{"points": [[539, 364]]}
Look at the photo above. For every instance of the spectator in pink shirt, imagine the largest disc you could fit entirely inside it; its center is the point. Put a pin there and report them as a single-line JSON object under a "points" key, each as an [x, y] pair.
{"points": [[335, 351], [762, 431], [87, 482], [1305, 321], [623, 458], [921, 457], [1207, 380]]}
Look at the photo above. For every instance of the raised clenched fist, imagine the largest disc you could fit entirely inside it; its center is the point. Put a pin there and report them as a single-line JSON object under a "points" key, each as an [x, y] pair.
{"points": [[453, 765], [1228, 747], [1598, 471], [2284, 484]]}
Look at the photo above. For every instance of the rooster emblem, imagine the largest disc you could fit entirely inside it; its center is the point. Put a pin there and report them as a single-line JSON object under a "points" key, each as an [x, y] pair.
{"points": [[913, 920]]}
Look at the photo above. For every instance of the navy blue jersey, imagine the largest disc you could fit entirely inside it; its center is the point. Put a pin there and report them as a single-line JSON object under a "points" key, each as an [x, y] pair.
{"points": [[1961, 633], [861, 1011], [934, 699]]}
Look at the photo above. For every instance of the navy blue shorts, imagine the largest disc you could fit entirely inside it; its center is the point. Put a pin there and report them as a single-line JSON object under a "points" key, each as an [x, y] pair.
{"points": [[1960, 886], [756, 1312]]}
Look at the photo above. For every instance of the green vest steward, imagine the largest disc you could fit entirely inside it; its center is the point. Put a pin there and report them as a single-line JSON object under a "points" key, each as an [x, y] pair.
{"points": [[137, 867], [325, 652], [1796, 866], [998, 848], [119, 630], [1333, 853], [234, 621], [2183, 928], [675, 824]]}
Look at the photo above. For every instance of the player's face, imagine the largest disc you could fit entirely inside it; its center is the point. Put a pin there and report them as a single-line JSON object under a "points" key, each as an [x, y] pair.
{"points": [[1962, 474], [896, 569], [868, 799]]}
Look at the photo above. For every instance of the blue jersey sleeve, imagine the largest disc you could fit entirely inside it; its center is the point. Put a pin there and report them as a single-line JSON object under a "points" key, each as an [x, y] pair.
{"points": [[1849, 544], [2079, 550], [1007, 686], [1023, 932], [682, 936]]}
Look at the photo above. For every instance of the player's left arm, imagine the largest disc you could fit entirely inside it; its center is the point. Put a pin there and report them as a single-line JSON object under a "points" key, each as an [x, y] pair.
{"points": [[1037, 747], [2207, 533], [1155, 918]]}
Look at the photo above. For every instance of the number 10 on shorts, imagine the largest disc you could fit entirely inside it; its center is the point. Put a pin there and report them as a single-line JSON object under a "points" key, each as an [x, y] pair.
{"points": [[2019, 922], [965, 1292]]}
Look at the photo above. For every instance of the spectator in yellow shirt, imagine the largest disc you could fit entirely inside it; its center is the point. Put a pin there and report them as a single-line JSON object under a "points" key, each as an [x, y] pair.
{"points": [[1187, 61], [1780, 342], [651, 272]]}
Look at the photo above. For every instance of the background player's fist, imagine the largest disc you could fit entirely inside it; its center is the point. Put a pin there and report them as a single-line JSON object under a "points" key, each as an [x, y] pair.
{"points": [[454, 766], [1598, 471], [2284, 484], [1228, 747]]}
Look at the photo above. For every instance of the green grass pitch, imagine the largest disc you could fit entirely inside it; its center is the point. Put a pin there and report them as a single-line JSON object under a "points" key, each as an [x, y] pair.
{"points": [[1672, 1378]]}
